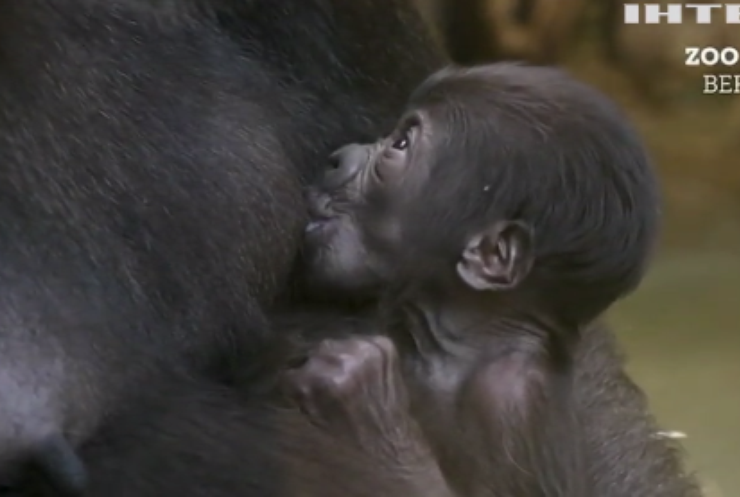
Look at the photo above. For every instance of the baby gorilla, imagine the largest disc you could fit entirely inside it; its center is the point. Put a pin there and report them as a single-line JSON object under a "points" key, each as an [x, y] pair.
{"points": [[508, 210]]}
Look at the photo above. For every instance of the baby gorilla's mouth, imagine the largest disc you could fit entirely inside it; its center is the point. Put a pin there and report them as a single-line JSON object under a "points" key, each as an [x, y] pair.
{"points": [[319, 232], [318, 225], [315, 225], [320, 212]]}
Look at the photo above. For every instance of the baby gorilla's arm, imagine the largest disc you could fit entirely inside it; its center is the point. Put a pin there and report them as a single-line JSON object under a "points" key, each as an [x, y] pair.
{"points": [[352, 389]]}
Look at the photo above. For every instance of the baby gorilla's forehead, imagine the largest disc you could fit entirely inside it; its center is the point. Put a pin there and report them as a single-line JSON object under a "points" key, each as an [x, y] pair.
{"points": [[538, 96]]}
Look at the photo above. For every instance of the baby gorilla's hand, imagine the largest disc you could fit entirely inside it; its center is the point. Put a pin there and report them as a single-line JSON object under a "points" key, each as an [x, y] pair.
{"points": [[353, 389]]}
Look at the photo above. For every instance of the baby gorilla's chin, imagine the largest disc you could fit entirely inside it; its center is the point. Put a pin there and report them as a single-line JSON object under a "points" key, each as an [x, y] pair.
{"points": [[320, 238], [328, 275], [336, 262]]}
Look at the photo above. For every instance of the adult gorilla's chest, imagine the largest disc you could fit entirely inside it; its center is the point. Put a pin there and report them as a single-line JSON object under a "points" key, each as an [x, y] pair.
{"points": [[152, 155]]}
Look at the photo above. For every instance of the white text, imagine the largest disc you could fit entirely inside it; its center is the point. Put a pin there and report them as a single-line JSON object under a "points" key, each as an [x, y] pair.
{"points": [[672, 13], [710, 56], [721, 84]]}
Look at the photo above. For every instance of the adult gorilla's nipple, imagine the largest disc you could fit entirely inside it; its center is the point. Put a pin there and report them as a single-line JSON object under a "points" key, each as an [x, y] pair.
{"points": [[62, 465]]}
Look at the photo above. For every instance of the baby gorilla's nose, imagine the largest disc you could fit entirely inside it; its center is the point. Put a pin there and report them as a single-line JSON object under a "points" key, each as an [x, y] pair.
{"points": [[345, 163], [335, 159], [348, 155]]}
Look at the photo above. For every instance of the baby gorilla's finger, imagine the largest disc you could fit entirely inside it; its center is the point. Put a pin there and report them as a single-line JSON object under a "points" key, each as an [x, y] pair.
{"points": [[310, 388]]}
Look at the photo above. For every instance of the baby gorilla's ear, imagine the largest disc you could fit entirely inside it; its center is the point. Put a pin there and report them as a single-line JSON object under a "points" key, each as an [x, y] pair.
{"points": [[498, 258]]}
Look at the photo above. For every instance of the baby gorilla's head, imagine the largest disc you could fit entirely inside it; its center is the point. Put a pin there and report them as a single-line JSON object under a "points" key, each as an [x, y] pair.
{"points": [[498, 178]]}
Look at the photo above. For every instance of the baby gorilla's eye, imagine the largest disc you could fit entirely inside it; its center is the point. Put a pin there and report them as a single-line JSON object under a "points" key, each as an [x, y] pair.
{"points": [[401, 143]]}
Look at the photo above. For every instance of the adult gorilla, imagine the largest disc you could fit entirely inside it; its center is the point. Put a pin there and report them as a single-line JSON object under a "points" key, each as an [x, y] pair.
{"points": [[152, 154]]}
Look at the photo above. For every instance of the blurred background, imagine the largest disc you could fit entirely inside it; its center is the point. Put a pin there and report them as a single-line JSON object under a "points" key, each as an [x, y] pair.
{"points": [[681, 329]]}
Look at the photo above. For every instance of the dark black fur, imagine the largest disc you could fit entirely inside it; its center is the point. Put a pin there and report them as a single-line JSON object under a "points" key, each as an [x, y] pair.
{"points": [[151, 157], [194, 440]]}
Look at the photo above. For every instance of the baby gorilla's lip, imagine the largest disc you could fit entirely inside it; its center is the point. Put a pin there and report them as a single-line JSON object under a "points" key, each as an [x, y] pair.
{"points": [[315, 225], [319, 230], [319, 223], [321, 216]]}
